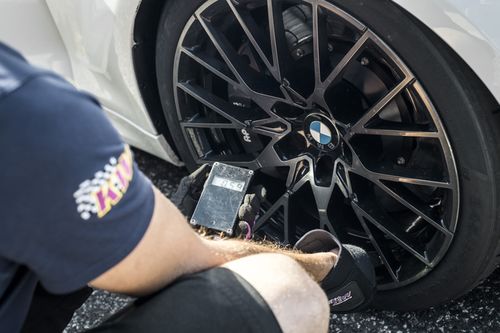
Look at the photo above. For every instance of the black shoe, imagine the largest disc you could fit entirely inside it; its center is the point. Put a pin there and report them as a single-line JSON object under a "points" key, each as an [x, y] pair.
{"points": [[350, 285]]}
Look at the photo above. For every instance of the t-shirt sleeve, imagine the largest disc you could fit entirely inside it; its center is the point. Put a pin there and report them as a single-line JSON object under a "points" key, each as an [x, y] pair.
{"points": [[74, 203]]}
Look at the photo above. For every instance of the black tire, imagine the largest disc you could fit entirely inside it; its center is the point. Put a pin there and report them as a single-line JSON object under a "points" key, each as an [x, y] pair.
{"points": [[174, 18], [469, 114]]}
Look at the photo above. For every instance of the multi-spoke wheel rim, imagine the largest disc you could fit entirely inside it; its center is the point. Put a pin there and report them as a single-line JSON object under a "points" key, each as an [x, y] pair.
{"points": [[331, 117]]}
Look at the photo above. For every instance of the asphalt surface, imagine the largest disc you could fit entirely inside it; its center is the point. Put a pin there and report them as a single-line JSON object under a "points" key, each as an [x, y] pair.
{"points": [[478, 311]]}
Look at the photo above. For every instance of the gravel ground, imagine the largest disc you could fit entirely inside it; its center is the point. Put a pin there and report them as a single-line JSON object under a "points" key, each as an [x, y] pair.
{"points": [[475, 312]]}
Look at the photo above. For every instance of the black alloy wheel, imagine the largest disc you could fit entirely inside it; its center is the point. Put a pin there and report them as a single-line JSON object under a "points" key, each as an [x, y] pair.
{"points": [[339, 129]]}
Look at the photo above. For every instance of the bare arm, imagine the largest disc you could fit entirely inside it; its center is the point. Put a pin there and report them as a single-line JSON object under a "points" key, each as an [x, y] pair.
{"points": [[170, 249]]}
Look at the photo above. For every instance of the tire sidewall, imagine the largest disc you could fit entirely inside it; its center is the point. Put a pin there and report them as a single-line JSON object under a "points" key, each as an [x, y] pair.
{"points": [[176, 14]]}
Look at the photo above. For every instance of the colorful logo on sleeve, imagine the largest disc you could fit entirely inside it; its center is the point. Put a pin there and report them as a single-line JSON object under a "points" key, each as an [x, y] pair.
{"points": [[97, 196]]}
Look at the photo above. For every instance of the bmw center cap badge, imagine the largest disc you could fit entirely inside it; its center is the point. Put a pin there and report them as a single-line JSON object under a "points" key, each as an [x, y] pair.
{"points": [[321, 132]]}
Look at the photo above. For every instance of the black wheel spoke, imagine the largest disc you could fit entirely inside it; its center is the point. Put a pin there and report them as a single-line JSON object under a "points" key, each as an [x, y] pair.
{"points": [[288, 226], [400, 176], [384, 223], [212, 64], [215, 103], [376, 242], [252, 80], [279, 46], [255, 35], [291, 95], [320, 41], [409, 200], [203, 122], [273, 127], [398, 133], [342, 178], [412, 180], [322, 197], [341, 67], [298, 174], [359, 126], [225, 49]]}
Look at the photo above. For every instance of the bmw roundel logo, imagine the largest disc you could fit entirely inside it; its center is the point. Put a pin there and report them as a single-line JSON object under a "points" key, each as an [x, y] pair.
{"points": [[320, 132]]}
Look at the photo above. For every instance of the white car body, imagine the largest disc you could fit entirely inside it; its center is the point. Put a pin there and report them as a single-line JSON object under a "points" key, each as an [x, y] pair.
{"points": [[90, 43]]}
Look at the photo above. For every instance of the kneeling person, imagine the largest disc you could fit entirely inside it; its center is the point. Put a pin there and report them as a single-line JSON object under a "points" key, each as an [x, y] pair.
{"points": [[77, 212]]}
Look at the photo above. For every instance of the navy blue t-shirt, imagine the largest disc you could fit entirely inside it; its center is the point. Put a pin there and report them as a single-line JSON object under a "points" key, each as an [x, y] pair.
{"points": [[72, 202]]}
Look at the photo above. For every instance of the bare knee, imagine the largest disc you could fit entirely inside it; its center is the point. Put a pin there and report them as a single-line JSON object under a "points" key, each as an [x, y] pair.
{"points": [[298, 303]]}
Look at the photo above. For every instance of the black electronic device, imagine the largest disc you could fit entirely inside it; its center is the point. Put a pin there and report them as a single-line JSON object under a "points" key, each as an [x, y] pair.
{"points": [[221, 198]]}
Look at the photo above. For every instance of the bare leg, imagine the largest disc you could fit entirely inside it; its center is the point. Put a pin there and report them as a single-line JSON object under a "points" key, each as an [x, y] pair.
{"points": [[297, 301]]}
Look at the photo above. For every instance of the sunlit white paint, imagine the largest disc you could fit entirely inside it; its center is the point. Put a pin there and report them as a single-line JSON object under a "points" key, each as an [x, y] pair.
{"points": [[27, 26], [98, 35], [470, 27]]}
